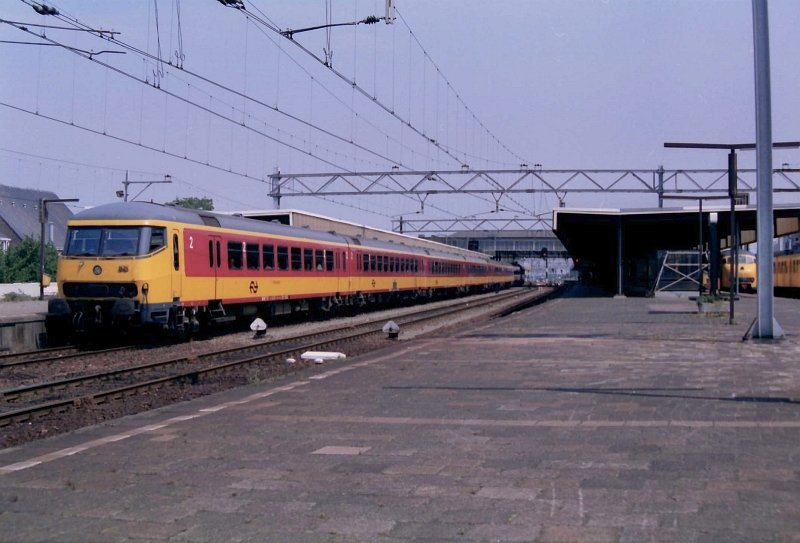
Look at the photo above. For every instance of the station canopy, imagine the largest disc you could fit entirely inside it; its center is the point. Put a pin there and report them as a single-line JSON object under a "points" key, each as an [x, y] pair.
{"points": [[612, 241]]}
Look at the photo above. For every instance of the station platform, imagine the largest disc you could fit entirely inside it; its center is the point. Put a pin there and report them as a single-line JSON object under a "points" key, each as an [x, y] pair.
{"points": [[22, 325], [582, 419]]}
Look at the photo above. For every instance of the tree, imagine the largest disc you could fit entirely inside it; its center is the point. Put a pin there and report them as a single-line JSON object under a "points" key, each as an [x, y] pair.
{"points": [[20, 264], [191, 202]]}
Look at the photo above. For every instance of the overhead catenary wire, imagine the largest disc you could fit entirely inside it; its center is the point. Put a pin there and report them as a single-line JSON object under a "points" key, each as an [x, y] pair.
{"points": [[351, 141], [160, 63], [166, 91], [163, 149], [355, 86], [268, 23], [467, 108]]}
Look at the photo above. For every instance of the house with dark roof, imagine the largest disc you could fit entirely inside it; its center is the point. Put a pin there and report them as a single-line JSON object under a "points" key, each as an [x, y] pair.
{"points": [[20, 216]]}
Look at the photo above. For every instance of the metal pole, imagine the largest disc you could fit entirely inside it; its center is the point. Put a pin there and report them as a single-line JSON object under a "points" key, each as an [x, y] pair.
{"points": [[765, 327], [733, 177], [125, 186], [275, 188], [619, 256], [700, 249], [713, 254], [660, 173], [43, 222]]}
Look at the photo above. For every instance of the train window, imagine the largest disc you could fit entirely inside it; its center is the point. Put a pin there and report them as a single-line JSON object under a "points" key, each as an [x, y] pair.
{"points": [[297, 258], [252, 257], [210, 254], [380, 263], [83, 241], [268, 254], [392, 264], [329, 260], [319, 258], [235, 255], [283, 258], [365, 258], [157, 239], [120, 242], [219, 254], [308, 259], [176, 255]]}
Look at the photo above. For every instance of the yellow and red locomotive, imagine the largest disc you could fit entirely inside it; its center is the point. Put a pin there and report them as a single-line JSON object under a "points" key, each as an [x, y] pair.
{"points": [[141, 265]]}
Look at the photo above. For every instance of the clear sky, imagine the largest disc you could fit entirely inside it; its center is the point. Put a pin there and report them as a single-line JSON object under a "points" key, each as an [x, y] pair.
{"points": [[567, 84]]}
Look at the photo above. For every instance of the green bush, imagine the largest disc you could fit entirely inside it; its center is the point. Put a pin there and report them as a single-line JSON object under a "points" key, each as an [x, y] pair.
{"points": [[17, 297], [20, 264]]}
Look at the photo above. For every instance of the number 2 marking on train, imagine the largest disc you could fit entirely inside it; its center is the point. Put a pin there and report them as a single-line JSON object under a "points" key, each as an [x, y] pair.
{"points": [[191, 242]]}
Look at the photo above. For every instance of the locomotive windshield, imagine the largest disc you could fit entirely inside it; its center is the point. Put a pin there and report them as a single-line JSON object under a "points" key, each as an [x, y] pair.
{"points": [[113, 240]]}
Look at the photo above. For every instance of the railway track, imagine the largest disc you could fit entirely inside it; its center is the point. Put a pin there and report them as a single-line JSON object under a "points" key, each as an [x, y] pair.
{"points": [[52, 355], [30, 402]]}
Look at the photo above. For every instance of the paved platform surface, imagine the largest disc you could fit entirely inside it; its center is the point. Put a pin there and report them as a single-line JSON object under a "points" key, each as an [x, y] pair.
{"points": [[584, 419]]}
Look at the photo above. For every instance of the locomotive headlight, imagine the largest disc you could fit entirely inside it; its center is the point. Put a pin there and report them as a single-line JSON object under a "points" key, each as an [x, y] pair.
{"points": [[145, 288], [97, 270]]}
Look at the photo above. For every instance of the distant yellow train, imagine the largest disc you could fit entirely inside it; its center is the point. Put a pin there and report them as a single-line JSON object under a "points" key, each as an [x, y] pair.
{"points": [[786, 269], [787, 274], [746, 271]]}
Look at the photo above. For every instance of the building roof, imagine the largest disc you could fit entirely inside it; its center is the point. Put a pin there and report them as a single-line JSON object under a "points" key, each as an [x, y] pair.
{"points": [[19, 208]]}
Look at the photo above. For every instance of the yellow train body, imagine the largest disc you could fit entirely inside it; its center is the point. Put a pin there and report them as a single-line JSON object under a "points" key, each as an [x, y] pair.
{"points": [[787, 273]]}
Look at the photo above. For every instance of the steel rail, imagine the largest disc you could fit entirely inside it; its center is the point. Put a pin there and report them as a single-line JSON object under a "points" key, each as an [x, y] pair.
{"points": [[71, 352], [192, 376]]}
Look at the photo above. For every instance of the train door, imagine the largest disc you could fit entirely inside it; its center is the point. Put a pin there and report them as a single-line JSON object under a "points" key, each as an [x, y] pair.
{"points": [[215, 263], [348, 273], [176, 272]]}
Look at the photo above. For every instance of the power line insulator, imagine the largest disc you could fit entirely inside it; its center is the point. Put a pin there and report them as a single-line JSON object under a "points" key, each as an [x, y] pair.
{"points": [[237, 4], [44, 9]]}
